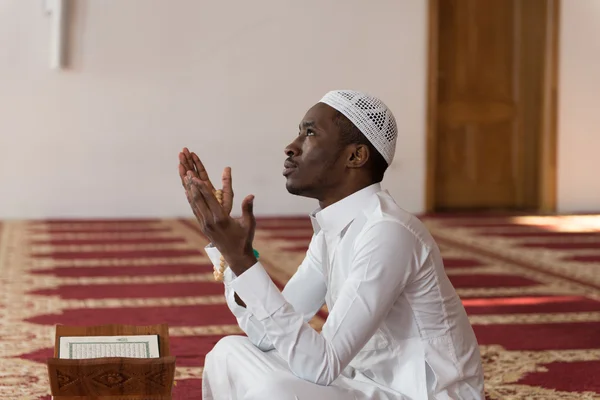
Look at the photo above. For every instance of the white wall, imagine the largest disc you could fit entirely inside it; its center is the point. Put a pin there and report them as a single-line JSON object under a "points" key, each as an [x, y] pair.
{"points": [[230, 80], [579, 107]]}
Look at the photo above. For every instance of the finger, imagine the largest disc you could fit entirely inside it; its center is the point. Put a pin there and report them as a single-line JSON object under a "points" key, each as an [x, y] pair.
{"points": [[248, 211], [202, 174], [209, 198], [227, 190], [183, 158], [190, 161], [197, 200], [182, 173], [201, 171], [187, 165]]}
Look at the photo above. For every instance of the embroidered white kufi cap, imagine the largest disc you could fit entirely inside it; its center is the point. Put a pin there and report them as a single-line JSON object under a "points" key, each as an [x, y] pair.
{"points": [[370, 115]]}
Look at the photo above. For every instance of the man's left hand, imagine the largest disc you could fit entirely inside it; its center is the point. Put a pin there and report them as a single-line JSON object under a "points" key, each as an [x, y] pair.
{"points": [[233, 238]]}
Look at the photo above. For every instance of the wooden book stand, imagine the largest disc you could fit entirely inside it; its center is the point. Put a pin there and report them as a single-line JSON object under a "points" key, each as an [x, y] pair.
{"points": [[114, 378]]}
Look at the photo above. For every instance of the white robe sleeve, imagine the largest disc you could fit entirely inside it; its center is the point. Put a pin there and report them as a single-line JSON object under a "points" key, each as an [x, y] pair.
{"points": [[305, 292], [385, 260]]}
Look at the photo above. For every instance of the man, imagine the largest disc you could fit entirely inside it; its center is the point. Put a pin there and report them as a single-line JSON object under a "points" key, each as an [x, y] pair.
{"points": [[396, 327]]}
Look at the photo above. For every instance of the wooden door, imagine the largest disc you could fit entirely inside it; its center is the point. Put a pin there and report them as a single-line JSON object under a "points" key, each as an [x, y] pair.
{"points": [[490, 84]]}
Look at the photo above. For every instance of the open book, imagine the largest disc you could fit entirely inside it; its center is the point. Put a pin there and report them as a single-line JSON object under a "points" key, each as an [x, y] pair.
{"points": [[84, 347]]}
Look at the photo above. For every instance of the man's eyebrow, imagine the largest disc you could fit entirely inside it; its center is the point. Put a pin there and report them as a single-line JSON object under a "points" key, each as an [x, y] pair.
{"points": [[307, 124]]}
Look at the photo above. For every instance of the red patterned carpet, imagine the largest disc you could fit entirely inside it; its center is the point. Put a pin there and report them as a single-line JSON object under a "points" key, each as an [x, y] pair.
{"points": [[531, 286]]}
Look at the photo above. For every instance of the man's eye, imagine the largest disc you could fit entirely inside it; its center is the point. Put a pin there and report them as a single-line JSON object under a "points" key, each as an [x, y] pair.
{"points": [[310, 132]]}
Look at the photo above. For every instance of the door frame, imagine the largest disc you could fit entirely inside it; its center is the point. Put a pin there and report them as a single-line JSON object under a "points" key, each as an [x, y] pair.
{"points": [[548, 139]]}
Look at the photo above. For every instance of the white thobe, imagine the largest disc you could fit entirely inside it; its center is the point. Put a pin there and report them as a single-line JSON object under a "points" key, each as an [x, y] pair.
{"points": [[396, 327]]}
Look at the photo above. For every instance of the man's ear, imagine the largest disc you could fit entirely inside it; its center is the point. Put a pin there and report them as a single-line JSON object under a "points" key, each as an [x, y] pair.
{"points": [[359, 156]]}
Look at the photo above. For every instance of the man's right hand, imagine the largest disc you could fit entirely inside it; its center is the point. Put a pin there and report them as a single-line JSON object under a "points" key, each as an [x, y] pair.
{"points": [[191, 162]]}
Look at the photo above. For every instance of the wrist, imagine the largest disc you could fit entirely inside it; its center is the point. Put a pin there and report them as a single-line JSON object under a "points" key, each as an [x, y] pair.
{"points": [[241, 263]]}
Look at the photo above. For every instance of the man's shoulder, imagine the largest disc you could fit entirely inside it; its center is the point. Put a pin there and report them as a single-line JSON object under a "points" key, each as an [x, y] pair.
{"points": [[386, 215], [385, 208]]}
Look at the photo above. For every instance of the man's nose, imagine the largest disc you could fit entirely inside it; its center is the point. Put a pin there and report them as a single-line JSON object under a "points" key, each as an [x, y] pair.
{"points": [[292, 149]]}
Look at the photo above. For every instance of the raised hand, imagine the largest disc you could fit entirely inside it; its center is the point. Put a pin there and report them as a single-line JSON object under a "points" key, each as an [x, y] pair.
{"points": [[232, 237], [190, 162]]}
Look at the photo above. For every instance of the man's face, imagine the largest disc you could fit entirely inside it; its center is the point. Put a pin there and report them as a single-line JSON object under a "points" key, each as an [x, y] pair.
{"points": [[315, 162]]}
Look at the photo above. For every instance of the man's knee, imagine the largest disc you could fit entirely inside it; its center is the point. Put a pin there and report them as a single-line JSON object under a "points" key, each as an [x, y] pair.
{"points": [[227, 345], [233, 342]]}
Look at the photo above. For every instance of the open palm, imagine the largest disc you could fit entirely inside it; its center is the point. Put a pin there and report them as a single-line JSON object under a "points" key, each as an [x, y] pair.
{"points": [[191, 162]]}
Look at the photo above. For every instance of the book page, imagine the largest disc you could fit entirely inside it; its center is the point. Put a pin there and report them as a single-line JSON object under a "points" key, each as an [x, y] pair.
{"points": [[83, 347]]}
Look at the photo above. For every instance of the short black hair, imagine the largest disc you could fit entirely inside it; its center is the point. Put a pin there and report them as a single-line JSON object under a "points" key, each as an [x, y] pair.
{"points": [[350, 134]]}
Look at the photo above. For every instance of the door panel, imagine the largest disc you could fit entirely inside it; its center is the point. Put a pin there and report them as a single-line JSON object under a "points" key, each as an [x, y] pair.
{"points": [[490, 72]]}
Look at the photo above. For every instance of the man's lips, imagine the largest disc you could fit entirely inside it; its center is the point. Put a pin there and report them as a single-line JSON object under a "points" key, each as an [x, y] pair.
{"points": [[288, 168]]}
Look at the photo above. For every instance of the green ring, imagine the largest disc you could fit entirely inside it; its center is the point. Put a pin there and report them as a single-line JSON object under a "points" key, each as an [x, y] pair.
{"points": [[255, 253]]}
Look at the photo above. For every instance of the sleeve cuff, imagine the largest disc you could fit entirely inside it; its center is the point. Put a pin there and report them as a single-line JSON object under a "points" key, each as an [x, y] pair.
{"points": [[215, 258], [237, 310], [213, 254], [258, 291]]}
